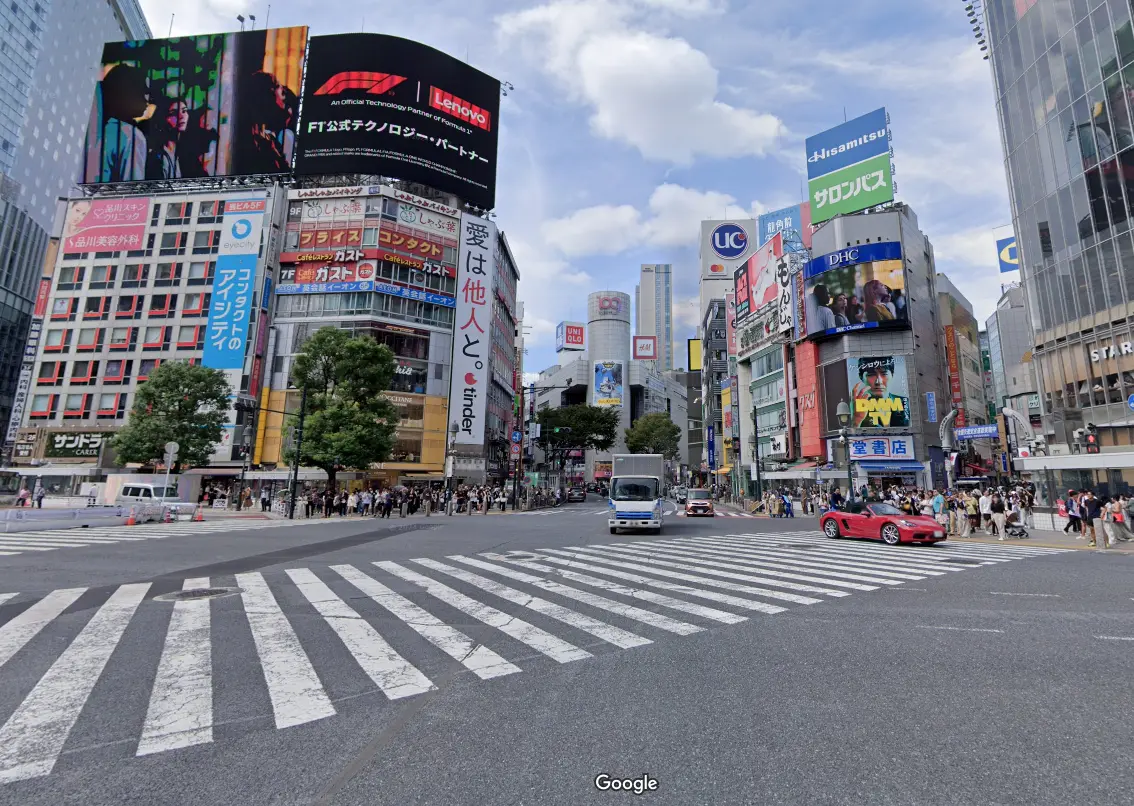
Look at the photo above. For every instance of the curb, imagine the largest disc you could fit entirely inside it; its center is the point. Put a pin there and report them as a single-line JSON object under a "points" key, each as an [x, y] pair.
{"points": [[1030, 542]]}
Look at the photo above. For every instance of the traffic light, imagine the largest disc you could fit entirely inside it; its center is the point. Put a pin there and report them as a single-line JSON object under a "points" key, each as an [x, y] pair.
{"points": [[1092, 438]]}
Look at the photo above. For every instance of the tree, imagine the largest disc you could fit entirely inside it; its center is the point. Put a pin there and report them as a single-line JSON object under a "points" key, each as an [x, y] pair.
{"points": [[580, 428], [179, 402], [349, 424], [654, 433]]}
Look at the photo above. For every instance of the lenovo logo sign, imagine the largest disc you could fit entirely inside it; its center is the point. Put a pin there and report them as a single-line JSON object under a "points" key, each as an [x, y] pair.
{"points": [[459, 108], [373, 83]]}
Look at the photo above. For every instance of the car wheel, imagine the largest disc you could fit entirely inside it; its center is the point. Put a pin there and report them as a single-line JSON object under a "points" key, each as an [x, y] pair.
{"points": [[831, 528], [890, 535]]}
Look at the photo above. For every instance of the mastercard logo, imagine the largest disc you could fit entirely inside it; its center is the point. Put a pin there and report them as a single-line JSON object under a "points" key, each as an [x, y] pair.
{"points": [[716, 268]]}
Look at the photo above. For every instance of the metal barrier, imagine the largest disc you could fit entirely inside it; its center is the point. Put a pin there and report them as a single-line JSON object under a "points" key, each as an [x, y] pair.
{"points": [[24, 519]]}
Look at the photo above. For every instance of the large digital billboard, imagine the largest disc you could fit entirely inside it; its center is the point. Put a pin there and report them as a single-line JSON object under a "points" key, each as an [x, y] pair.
{"points": [[724, 246], [389, 106], [848, 167], [755, 280], [858, 288], [196, 106], [880, 391]]}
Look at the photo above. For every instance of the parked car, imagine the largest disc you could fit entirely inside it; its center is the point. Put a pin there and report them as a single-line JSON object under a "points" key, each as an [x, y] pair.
{"points": [[699, 503], [576, 494], [878, 521]]}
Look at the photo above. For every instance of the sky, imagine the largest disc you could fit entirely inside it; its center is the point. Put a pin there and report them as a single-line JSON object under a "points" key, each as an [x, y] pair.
{"points": [[630, 121]]}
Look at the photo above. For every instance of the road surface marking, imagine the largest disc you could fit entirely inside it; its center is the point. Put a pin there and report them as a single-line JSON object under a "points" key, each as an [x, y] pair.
{"points": [[613, 635], [1115, 637], [6, 596], [181, 700], [769, 558], [33, 736], [296, 693], [21, 629], [696, 561], [957, 629], [756, 564], [539, 640], [1043, 595], [662, 600], [891, 569], [593, 599], [724, 598], [653, 559], [478, 659], [392, 673], [870, 558]]}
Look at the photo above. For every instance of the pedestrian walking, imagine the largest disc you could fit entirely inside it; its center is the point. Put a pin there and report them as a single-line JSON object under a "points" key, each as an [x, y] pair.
{"points": [[265, 500], [39, 495], [996, 510]]}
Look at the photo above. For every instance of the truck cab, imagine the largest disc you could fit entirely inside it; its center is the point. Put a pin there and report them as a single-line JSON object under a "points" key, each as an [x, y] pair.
{"points": [[636, 500]]}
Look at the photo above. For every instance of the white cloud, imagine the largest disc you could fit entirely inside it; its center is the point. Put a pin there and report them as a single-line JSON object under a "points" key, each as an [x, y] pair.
{"points": [[654, 93], [672, 219]]}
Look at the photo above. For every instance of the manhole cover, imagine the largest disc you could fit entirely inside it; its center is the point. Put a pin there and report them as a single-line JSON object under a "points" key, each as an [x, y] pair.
{"points": [[197, 593]]}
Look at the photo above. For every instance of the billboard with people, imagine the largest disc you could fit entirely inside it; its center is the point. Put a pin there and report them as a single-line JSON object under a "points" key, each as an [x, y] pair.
{"points": [[196, 106], [858, 288], [880, 391]]}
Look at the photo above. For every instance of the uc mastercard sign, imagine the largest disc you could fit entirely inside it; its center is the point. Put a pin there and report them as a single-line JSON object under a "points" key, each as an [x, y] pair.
{"points": [[729, 241], [1008, 254], [724, 246]]}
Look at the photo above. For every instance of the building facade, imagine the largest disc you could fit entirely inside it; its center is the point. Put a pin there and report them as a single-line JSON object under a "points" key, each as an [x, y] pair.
{"points": [[1064, 78], [714, 374], [962, 356], [47, 73], [653, 309]]}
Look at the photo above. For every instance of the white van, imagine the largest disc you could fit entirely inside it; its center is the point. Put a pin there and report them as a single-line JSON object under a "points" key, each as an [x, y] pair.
{"points": [[148, 498]]}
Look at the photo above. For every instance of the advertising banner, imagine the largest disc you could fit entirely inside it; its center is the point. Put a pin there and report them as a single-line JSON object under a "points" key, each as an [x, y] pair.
{"points": [[427, 220], [730, 323], [196, 106], [419, 246], [991, 431], [693, 354], [807, 399], [74, 445], [882, 448], [847, 144], [880, 392], [1007, 254], [755, 281], [468, 393], [724, 246], [956, 394], [330, 237], [856, 289], [231, 305], [645, 348], [604, 470], [387, 106], [608, 384], [106, 225], [794, 223], [570, 336], [712, 446], [858, 187], [786, 304], [726, 396], [930, 407]]}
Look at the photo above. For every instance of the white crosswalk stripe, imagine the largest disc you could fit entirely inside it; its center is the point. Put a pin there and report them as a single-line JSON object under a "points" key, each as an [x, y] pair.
{"points": [[16, 543], [313, 638]]}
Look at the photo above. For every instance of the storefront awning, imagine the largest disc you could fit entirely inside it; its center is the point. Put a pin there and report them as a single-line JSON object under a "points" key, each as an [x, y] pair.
{"points": [[720, 471], [891, 467]]}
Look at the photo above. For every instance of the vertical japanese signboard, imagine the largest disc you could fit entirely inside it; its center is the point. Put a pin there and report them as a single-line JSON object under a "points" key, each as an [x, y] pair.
{"points": [[730, 323], [955, 392], [468, 392], [227, 334]]}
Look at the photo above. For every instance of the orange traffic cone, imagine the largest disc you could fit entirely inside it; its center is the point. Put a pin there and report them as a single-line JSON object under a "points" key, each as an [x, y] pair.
{"points": [[198, 515], [168, 515], [130, 519]]}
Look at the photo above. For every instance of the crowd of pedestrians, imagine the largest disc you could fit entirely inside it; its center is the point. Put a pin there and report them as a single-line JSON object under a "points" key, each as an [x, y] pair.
{"points": [[1083, 510]]}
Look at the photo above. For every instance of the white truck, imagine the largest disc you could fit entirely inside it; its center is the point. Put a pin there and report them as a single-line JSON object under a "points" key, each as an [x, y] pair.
{"points": [[636, 492]]}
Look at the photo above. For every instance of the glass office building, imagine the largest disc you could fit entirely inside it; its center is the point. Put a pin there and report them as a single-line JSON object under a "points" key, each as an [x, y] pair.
{"points": [[1064, 79]]}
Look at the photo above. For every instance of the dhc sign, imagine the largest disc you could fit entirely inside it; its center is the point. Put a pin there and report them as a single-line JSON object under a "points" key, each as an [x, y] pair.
{"points": [[864, 253]]}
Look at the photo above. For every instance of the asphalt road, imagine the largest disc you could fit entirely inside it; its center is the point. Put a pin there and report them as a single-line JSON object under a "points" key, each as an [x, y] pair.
{"points": [[732, 660]]}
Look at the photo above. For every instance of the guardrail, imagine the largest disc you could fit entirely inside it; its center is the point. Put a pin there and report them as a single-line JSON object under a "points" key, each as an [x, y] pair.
{"points": [[27, 520]]}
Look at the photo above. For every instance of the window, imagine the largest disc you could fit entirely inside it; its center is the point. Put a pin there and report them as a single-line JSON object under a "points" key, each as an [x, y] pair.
{"points": [[206, 242], [50, 373], [196, 305], [208, 212], [370, 236], [70, 277], [173, 243], [63, 309], [135, 275], [56, 340], [128, 308], [76, 406], [117, 371], [178, 213], [84, 372], [102, 276], [190, 337], [111, 405], [146, 368], [90, 338], [200, 273], [153, 338], [291, 240], [96, 308], [163, 305], [167, 274], [43, 406]]}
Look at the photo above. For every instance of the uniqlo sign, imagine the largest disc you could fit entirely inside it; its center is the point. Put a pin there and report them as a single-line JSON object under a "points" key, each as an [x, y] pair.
{"points": [[645, 348], [570, 336]]}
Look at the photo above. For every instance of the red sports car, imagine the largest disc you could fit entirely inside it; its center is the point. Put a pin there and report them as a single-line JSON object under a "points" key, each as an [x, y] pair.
{"points": [[883, 522]]}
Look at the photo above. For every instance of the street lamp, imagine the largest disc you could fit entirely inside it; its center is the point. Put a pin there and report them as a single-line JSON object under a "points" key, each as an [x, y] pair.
{"points": [[246, 450], [298, 450], [843, 412]]}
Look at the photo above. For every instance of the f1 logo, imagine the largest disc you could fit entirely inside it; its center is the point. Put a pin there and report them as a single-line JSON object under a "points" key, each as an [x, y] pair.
{"points": [[373, 83], [729, 241]]}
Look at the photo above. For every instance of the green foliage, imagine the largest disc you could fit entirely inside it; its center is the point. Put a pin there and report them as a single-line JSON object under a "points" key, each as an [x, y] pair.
{"points": [[182, 403], [591, 428], [654, 433], [349, 424]]}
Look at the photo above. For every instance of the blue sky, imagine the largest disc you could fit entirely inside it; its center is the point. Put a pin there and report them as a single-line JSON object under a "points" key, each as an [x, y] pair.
{"points": [[631, 120]]}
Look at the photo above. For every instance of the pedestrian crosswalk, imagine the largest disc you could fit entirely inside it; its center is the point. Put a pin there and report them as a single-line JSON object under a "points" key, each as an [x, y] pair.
{"points": [[309, 642], [670, 512], [15, 543]]}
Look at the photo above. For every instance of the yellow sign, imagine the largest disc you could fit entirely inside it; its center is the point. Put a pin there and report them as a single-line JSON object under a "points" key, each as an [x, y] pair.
{"points": [[879, 410], [694, 348]]}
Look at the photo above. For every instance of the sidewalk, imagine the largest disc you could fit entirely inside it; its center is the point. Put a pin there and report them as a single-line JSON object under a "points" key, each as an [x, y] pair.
{"points": [[1044, 538]]}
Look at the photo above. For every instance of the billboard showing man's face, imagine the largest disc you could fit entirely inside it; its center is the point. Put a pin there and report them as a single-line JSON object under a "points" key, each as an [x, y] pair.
{"points": [[880, 391], [196, 106]]}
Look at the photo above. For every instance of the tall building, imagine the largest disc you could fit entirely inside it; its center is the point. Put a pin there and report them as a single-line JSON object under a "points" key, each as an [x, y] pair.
{"points": [[49, 61], [1010, 355], [1063, 74], [653, 309], [962, 355]]}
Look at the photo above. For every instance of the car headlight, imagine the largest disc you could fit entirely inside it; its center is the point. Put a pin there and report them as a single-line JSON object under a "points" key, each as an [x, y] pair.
{"points": [[908, 524]]}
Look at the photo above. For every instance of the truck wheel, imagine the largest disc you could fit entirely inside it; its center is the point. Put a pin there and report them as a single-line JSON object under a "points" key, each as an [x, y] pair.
{"points": [[613, 530]]}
